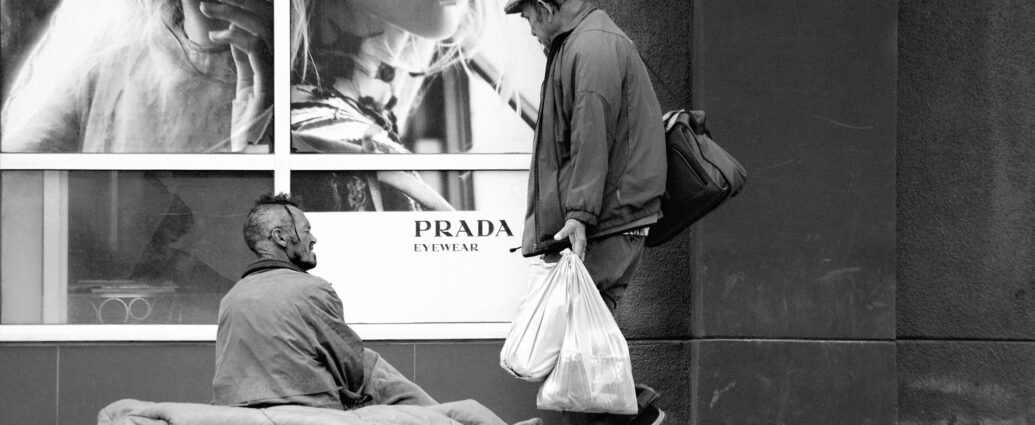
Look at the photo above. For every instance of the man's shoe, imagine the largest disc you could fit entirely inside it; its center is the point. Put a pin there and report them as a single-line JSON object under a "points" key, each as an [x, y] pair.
{"points": [[646, 396], [650, 415]]}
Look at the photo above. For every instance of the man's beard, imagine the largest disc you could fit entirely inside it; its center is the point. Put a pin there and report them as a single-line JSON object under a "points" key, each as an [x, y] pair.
{"points": [[304, 264]]}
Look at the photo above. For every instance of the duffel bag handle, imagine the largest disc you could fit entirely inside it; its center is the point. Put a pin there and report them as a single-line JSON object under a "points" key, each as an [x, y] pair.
{"points": [[694, 119]]}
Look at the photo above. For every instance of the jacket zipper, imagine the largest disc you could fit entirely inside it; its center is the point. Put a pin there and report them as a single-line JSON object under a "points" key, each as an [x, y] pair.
{"points": [[539, 130], [557, 43]]}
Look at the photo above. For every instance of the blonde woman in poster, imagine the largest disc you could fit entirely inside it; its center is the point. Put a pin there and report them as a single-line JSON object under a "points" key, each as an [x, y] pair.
{"points": [[360, 68], [145, 76], [138, 76]]}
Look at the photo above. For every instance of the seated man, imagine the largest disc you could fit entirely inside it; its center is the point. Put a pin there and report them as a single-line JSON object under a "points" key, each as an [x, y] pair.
{"points": [[283, 346], [282, 338]]}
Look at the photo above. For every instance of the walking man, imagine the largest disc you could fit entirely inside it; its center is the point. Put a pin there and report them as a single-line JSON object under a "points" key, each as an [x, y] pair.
{"points": [[598, 167]]}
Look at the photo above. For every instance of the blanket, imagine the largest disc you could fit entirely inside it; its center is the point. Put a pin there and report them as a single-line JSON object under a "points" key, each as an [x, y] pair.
{"points": [[136, 412]]}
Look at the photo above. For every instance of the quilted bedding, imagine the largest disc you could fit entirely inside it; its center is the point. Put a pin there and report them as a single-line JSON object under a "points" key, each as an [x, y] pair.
{"points": [[136, 412]]}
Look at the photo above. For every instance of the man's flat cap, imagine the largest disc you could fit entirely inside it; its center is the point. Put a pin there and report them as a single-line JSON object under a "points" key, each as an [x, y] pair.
{"points": [[513, 6]]}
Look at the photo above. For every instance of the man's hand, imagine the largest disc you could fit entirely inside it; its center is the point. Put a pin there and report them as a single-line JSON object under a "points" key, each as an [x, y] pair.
{"points": [[250, 36], [575, 231]]}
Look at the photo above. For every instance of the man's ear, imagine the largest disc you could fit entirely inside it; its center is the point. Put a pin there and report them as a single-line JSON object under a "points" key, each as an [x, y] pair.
{"points": [[545, 9], [278, 237]]}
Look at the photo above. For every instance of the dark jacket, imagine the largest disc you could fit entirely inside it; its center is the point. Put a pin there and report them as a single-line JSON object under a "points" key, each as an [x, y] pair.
{"points": [[599, 153]]}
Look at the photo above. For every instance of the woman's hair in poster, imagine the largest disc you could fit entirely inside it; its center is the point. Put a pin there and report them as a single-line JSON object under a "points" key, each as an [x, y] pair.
{"points": [[78, 35]]}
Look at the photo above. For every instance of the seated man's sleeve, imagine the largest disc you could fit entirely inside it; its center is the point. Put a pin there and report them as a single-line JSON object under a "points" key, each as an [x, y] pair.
{"points": [[385, 385]]}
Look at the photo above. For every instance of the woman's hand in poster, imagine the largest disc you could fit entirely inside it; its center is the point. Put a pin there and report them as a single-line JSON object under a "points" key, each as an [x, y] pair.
{"points": [[250, 36]]}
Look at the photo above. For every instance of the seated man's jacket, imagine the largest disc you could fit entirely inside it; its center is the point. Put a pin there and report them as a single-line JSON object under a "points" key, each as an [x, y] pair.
{"points": [[282, 340]]}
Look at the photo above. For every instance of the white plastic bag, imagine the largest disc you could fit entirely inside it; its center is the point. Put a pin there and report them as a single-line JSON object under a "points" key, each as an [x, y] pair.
{"points": [[534, 342], [594, 371]]}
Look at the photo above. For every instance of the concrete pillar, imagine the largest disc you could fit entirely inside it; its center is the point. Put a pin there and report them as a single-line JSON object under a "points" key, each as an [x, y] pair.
{"points": [[793, 285], [966, 212]]}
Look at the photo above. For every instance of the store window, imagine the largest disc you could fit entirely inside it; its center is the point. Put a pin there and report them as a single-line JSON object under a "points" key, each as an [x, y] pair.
{"points": [[122, 247], [127, 164]]}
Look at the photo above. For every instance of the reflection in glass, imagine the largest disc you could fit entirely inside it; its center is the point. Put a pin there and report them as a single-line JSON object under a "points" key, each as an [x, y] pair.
{"points": [[501, 191], [139, 247], [131, 76]]}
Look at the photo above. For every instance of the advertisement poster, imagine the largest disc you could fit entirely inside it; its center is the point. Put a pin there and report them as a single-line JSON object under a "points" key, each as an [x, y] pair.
{"points": [[422, 267], [417, 78], [444, 83]]}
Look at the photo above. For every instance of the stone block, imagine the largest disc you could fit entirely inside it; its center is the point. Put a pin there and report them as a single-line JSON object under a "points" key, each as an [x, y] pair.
{"points": [[803, 94], [966, 184], [793, 382], [93, 376], [953, 382], [29, 389]]}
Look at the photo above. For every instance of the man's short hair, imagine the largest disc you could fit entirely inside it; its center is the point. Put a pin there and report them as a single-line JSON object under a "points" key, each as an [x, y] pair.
{"points": [[270, 211], [516, 6]]}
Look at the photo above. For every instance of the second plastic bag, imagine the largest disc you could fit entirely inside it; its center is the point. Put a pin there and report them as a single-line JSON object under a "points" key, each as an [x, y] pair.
{"points": [[594, 372]]}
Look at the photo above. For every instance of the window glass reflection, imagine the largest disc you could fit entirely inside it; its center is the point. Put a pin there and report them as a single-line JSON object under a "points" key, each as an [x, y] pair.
{"points": [[138, 246], [432, 190]]}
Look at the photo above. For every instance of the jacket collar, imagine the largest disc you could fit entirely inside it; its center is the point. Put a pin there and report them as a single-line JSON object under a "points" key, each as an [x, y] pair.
{"points": [[587, 8], [266, 264]]}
